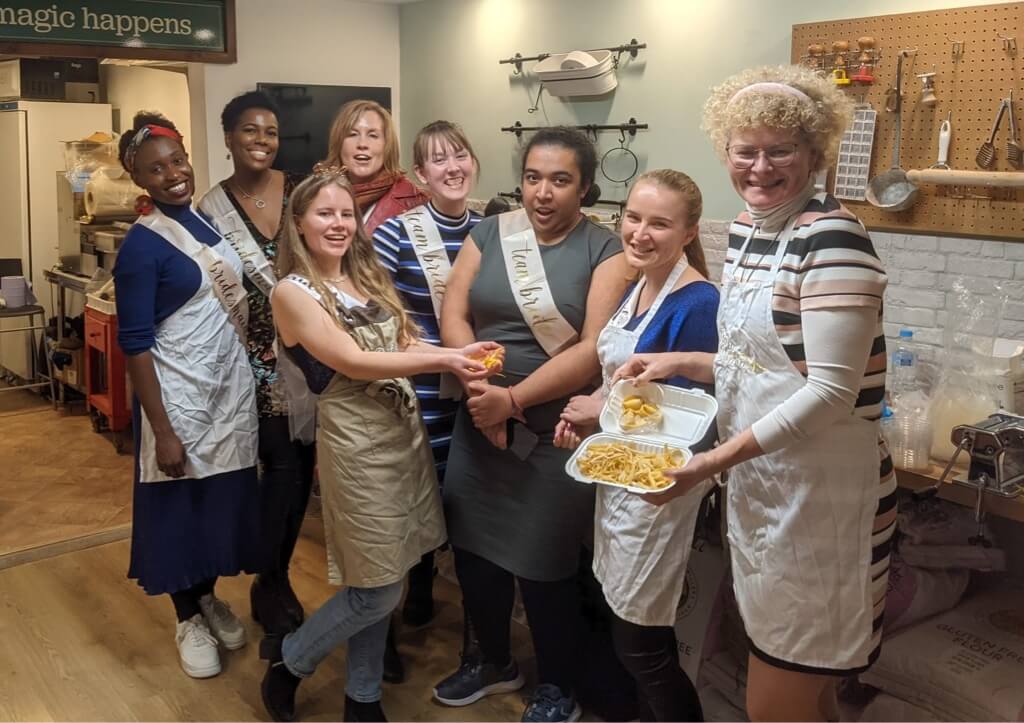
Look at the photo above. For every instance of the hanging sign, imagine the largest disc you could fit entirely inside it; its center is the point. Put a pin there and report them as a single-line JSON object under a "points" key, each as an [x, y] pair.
{"points": [[185, 30]]}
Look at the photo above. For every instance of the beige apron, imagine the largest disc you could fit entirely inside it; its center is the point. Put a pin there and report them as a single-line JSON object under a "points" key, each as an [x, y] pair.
{"points": [[381, 504]]}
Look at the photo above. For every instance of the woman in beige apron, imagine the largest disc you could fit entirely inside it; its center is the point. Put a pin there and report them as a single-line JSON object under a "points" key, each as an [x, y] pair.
{"points": [[799, 378], [342, 323], [641, 551]]}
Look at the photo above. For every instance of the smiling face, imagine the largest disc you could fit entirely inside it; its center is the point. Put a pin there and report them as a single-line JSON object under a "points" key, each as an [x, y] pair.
{"points": [[764, 185], [254, 140], [654, 230], [552, 190], [162, 170], [362, 150], [448, 172], [328, 225]]}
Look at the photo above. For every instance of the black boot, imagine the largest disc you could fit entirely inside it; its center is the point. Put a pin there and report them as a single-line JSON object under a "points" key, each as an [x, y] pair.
{"points": [[356, 711], [394, 671], [279, 685], [268, 606], [419, 600], [291, 602]]}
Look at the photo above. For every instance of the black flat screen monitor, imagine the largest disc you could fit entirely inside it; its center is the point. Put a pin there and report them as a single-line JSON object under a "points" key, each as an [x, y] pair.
{"points": [[306, 114]]}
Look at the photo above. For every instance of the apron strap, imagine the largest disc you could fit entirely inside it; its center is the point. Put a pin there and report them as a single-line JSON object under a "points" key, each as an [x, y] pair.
{"points": [[226, 285]]}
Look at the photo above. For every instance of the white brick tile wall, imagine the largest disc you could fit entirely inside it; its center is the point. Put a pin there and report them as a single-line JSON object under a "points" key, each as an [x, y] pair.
{"points": [[922, 271]]}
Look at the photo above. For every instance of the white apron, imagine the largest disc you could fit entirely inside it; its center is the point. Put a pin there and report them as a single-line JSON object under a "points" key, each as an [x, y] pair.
{"points": [[799, 519], [641, 550], [206, 383]]}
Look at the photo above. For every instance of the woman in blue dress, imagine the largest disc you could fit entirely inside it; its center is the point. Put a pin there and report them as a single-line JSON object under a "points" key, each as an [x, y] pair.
{"points": [[182, 317]]}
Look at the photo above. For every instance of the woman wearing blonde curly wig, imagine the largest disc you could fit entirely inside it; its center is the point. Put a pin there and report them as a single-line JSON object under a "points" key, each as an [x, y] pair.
{"points": [[799, 377]]}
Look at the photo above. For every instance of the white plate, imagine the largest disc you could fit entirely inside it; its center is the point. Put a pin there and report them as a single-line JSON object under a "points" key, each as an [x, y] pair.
{"points": [[573, 470], [686, 414]]}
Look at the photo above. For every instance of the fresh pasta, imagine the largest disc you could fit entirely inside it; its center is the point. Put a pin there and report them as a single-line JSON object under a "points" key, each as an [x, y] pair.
{"points": [[492, 359], [638, 413], [623, 464]]}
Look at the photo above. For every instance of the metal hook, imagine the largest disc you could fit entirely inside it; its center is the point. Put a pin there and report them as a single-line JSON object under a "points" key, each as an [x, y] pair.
{"points": [[958, 49], [622, 136], [1009, 44]]}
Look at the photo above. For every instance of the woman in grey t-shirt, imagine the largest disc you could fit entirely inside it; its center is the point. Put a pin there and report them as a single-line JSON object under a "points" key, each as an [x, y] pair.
{"points": [[512, 512]]}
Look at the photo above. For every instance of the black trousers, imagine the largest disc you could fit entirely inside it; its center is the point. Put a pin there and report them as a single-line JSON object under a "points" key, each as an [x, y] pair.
{"points": [[552, 610], [285, 484], [186, 602], [651, 656]]}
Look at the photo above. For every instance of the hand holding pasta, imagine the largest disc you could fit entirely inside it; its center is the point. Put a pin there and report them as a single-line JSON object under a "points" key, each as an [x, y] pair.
{"points": [[623, 464]]}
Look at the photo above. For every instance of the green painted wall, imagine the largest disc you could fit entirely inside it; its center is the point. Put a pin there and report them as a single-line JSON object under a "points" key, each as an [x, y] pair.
{"points": [[449, 69]]}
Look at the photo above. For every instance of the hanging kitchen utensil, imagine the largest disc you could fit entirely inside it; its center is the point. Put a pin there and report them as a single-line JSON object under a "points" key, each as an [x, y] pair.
{"points": [[945, 133], [1014, 152], [986, 157], [928, 89], [854, 160], [892, 190]]}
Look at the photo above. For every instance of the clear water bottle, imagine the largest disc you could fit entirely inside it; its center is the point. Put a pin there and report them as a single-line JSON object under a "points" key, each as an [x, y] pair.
{"points": [[904, 364]]}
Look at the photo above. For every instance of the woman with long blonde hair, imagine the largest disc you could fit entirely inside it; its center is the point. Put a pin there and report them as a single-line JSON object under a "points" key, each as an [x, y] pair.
{"points": [[341, 321]]}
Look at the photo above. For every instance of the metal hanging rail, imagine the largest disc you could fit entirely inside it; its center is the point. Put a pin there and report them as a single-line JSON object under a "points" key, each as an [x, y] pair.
{"points": [[517, 196], [632, 47], [630, 127]]}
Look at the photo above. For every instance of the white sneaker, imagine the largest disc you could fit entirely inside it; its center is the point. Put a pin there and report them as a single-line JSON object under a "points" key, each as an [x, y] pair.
{"points": [[224, 623], [197, 648]]}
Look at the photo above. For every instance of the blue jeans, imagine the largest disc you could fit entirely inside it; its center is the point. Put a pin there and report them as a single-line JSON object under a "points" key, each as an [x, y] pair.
{"points": [[360, 615]]}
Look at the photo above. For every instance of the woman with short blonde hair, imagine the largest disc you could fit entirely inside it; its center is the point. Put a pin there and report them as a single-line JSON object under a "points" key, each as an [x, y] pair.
{"points": [[799, 377]]}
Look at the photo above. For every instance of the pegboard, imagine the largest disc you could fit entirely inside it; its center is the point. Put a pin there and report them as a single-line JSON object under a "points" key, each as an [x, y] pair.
{"points": [[971, 86]]}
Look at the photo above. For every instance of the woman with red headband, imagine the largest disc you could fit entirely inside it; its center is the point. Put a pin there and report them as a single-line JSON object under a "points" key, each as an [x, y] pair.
{"points": [[182, 316]]}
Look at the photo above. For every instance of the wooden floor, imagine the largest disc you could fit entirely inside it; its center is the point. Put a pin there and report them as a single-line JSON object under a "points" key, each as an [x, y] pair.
{"points": [[59, 481], [81, 642]]}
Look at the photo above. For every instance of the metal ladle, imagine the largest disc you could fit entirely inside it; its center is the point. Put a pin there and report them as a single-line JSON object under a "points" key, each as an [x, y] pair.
{"points": [[892, 190]]}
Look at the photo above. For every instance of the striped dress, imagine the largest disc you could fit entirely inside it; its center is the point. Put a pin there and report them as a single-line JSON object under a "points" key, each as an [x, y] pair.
{"points": [[831, 263], [395, 251]]}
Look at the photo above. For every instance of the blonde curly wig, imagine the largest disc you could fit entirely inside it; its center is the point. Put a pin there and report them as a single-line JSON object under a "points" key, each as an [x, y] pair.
{"points": [[821, 122]]}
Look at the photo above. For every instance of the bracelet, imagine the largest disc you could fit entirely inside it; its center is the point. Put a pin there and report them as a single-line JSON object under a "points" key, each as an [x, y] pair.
{"points": [[516, 409]]}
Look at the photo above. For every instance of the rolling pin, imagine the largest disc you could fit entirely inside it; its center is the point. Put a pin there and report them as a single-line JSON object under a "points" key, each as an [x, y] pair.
{"points": [[940, 177]]}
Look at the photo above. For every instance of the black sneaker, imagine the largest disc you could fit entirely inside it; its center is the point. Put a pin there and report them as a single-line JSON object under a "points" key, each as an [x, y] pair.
{"points": [[474, 680], [549, 704]]}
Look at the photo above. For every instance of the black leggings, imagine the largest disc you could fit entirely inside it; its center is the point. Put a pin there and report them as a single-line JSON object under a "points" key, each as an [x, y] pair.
{"points": [[651, 656], [552, 610], [186, 602], [285, 483]]}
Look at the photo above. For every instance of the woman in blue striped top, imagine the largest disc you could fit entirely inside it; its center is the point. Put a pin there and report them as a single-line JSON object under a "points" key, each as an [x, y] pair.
{"points": [[418, 248]]}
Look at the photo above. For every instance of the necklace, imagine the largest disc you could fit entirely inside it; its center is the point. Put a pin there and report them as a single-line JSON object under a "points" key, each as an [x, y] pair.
{"points": [[337, 280], [258, 202]]}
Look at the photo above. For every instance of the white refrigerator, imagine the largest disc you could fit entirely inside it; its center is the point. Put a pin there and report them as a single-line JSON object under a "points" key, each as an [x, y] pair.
{"points": [[31, 152]]}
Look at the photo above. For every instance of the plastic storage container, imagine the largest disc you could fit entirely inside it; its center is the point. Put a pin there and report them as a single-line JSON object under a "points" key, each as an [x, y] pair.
{"points": [[686, 416]]}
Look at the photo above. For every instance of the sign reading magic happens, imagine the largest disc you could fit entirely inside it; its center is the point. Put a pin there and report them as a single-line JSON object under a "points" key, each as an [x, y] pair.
{"points": [[199, 30]]}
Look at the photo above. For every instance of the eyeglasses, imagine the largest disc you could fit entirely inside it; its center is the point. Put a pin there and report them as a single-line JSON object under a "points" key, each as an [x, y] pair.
{"points": [[780, 156]]}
